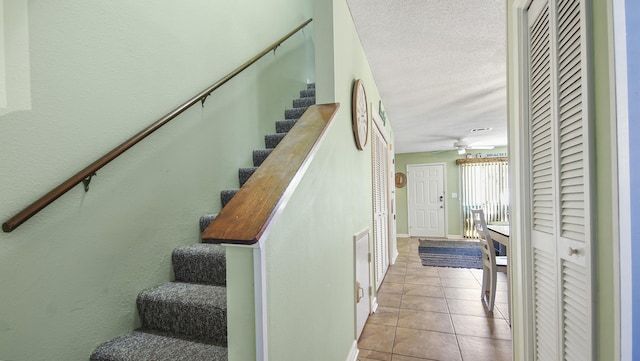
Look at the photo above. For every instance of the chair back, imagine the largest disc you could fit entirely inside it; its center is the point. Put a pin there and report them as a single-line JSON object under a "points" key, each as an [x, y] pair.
{"points": [[488, 250]]}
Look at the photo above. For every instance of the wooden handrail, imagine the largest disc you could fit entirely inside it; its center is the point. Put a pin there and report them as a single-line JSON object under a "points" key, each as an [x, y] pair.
{"points": [[35, 207], [245, 218]]}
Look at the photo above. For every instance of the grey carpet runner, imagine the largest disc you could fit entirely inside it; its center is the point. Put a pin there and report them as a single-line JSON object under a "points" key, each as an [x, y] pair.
{"points": [[187, 319], [291, 116]]}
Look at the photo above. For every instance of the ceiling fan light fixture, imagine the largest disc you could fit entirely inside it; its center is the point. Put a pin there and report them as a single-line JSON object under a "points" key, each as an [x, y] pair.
{"points": [[461, 151]]}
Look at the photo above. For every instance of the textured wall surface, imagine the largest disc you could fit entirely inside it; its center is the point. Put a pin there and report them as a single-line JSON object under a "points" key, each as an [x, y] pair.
{"points": [[310, 257], [100, 72]]}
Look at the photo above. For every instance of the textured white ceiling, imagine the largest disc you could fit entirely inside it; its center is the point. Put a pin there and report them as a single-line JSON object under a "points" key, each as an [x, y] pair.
{"points": [[440, 66]]}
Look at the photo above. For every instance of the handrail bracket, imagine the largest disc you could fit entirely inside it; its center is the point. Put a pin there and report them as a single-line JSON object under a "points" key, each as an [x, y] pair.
{"points": [[87, 181], [204, 98]]}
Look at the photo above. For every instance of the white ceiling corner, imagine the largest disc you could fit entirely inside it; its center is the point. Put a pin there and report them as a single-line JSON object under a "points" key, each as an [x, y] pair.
{"points": [[440, 67]]}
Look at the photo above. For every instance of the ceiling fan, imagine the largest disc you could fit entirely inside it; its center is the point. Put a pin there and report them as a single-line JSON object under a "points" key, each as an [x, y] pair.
{"points": [[463, 146]]}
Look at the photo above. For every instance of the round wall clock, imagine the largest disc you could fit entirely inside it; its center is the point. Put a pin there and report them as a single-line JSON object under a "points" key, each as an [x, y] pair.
{"points": [[401, 180], [360, 115]]}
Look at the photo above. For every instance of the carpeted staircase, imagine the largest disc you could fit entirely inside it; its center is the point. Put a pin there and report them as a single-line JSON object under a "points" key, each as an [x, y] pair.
{"points": [[187, 319], [291, 116]]}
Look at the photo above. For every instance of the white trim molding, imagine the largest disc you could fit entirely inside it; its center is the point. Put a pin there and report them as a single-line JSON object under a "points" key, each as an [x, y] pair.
{"points": [[620, 115], [353, 353], [520, 283]]}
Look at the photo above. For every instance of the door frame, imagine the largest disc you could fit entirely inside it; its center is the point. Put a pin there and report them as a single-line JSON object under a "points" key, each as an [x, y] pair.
{"points": [[444, 190], [520, 279], [391, 189]]}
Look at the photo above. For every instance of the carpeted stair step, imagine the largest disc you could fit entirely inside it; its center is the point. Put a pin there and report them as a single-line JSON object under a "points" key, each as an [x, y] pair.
{"points": [[245, 173], [284, 126], [186, 309], [141, 345], [226, 195], [304, 102], [309, 92], [206, 220], [294, 113], [200, 263], [260, 155], [272, 140]]}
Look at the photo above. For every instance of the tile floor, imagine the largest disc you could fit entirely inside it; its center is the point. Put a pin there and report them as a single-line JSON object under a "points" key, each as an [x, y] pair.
{"points": [[435, 313]]}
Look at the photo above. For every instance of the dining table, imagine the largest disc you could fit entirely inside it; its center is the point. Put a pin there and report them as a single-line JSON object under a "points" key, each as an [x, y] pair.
{"points": [[499, 233]]}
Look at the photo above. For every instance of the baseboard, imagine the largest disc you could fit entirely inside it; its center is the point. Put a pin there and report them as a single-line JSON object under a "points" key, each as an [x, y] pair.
{"points": [[455, 236], [374, 305], [402, 235], [353, 354]]}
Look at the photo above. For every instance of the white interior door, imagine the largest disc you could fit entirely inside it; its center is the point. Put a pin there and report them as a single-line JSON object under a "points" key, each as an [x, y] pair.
{"points": [[559, 175], [425, 194], [363, 283], [380, 208]]}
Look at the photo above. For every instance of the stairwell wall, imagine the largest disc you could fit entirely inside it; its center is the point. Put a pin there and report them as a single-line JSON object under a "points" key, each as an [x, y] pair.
{"points": [[100, 72], [310, 252]]}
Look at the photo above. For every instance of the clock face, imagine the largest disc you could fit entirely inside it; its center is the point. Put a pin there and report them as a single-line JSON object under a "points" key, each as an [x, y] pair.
{"points": [[360, 115]]}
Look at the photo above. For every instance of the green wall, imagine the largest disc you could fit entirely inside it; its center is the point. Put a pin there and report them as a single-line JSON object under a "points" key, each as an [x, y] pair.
{"points": [[310, 259], [98, 73], [452, 180]]}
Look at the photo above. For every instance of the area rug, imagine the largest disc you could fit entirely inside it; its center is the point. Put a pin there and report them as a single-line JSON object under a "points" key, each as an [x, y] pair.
{"points": [[457, 254]]}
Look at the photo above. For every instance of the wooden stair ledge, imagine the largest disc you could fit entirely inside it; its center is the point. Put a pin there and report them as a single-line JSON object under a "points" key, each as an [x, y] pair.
{"points": [[244, 219]]}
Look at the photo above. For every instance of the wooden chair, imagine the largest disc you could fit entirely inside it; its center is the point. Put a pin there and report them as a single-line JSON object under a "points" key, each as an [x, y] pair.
{"points": [[491, 263]]}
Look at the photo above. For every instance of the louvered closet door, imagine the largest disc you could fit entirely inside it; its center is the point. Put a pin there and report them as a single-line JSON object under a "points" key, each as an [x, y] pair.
{"points": [[380, 218], [560, 190]]}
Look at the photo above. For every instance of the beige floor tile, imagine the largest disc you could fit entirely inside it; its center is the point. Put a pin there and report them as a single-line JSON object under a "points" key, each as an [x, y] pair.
{"points": [[414, 266], [384, 316], [460, 283], [377, 338], [484, 349], [502, 286], [400, 264], [391, 288], [421, 290], [502, 297], [407, 358], [394, 278], [397, 270], [462, 293], [456, 273], [426, 344], [423, 272], [424, 320], [389, 300], [365, 355], [502, 309], [422, 280], [481, 327], [413, 298], [421, 303], [471, 308]]}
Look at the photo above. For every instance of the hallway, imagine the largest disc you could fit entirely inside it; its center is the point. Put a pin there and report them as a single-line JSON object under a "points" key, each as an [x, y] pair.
{"points": [[434, 313]]}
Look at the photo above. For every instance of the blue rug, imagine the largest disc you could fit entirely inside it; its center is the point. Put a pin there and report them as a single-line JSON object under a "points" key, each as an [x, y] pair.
{"points": [[457, 254]]}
